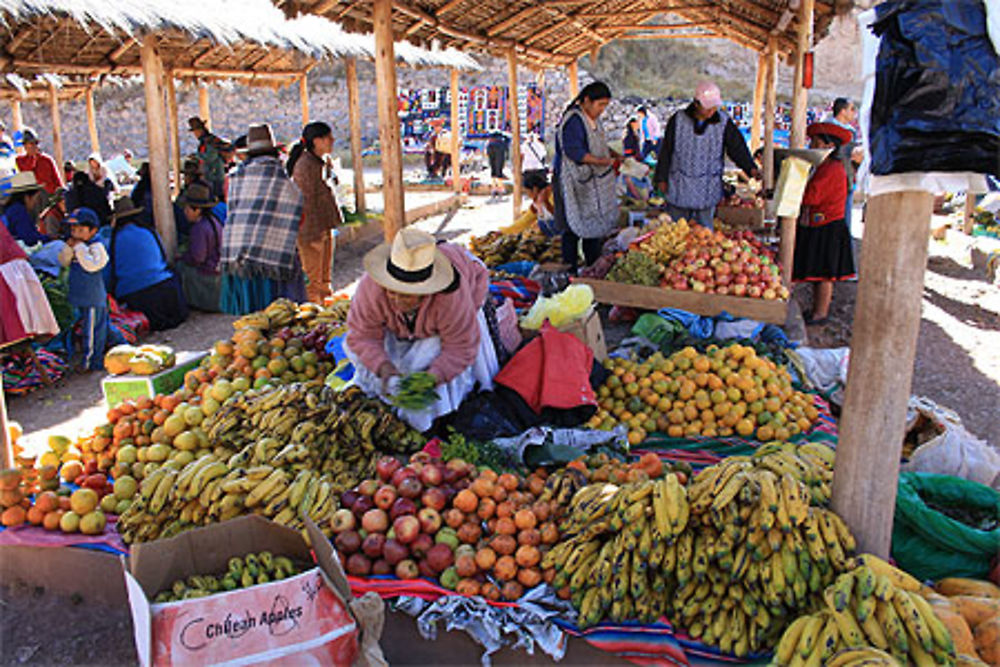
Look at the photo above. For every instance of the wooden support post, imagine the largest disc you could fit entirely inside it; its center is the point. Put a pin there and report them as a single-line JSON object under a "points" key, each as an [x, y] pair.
{"points": [[57, 149], [173, 136], [304, 98], [758, 102], [883, 347], [770, 105], [515, 128], [95, 142], [354, 115], [204, 106], [574, 79], [6, 446], [156, 132], [388, 120], [800, 94], [17, 121], [969, 217], [786, 249], [456, 135]]}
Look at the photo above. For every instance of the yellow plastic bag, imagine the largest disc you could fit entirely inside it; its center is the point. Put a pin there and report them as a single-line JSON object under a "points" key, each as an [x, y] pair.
{"points": [[560, 309], [791, 186]]}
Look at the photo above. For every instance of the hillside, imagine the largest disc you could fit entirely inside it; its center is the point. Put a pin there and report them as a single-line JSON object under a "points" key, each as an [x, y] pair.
{"points": [[650, 70]]}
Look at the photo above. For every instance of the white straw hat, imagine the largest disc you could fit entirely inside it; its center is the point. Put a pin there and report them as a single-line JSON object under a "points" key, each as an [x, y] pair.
{"points": [[412, 264]]}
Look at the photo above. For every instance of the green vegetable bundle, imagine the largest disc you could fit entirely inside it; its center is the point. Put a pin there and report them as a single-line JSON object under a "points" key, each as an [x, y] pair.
{"points": [[417, 391]]}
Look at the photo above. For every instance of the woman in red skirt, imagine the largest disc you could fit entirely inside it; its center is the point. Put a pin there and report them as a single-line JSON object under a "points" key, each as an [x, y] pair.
{"points": [[823, 252]]}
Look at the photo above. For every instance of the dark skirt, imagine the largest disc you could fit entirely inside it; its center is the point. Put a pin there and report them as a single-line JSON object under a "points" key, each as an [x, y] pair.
{"points": [[163, 304], [823, 253]]}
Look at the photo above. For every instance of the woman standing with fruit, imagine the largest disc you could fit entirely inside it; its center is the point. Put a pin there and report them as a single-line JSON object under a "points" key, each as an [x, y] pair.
{"points": [[584, 177], [419, 308], [320, 213], [823, 250]]}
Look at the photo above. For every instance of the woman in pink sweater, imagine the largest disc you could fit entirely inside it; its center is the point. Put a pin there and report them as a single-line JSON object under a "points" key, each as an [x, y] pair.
{"points": [[419, 308]]}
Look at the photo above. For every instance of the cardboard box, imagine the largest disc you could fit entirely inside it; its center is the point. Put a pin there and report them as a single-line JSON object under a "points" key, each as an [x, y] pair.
{"points": [[117, 388], [589, 330], [304, 619], [741, 217]]}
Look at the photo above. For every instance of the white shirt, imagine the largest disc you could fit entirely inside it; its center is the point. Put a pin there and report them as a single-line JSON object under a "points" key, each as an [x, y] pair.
{"points": [[532, 154], [651, 127]]}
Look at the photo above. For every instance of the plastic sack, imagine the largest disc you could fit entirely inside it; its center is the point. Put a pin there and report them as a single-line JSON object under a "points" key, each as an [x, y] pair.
{"points": [[936, 105], [657, 330], [791, 186], [560, 309], [950, 449], [931, 545]]}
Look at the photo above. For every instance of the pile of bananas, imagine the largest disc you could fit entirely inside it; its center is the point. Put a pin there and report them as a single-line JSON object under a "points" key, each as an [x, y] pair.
{"points": [[304, 445], [285, 312], [668, 242], [244, 572], [809, 462], [636, 268], [873, 606], [496, 248]]}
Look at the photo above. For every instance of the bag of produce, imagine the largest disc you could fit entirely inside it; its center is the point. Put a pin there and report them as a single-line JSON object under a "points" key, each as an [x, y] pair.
{"points": [[945, 526]]}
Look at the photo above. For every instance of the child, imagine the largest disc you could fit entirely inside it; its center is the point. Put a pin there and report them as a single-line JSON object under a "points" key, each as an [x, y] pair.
{"points": [[86, 257]]}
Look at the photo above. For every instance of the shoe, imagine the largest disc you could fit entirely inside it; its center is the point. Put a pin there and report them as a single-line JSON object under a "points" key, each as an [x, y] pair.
{"points": [[812, 321]]}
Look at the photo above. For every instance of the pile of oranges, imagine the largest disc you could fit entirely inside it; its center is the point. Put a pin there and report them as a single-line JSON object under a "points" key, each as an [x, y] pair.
{"points": [[722, 392]]}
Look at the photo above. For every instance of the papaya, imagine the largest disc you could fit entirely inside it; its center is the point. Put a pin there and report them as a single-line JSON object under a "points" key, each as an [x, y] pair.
{"points": [[116, 360], [987, 636], [958, 628], [163, 352], [143, 363], [976, 610], [952, 586]]}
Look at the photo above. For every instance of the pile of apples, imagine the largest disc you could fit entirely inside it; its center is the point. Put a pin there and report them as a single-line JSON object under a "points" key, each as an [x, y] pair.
{"points": [[476, 532], [735, 264]]}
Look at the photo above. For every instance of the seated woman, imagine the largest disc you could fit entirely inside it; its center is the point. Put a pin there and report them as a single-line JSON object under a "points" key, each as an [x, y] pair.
{"points": [[419, 307], [22, 199], [198, 267], [823, 250], [138, 273]]}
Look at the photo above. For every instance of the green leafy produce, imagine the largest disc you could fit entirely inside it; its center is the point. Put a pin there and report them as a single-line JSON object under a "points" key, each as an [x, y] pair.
{"points": [[636, 268], [417, 391], [244, 572]]}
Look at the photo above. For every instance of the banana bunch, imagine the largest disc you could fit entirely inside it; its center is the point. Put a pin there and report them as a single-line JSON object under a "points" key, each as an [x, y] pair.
{"points": [[668, 242], [531, 245], [256, 320], [280, 312], [562, 485], [810, 463], [244, 572], [864, 610]]}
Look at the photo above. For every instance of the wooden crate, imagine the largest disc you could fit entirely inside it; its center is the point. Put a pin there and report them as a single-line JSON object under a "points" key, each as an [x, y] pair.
{"points": [[738, 216], [654, 298]]}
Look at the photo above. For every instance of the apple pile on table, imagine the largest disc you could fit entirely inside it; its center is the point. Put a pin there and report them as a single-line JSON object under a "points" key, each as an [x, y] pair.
{"points": [[735, 264], [476, 532]]}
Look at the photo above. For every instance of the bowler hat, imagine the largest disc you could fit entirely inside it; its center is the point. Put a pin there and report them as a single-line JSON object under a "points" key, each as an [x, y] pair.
{"points": [[196, 123], [198, 195], [125, 208], [260, 139]]}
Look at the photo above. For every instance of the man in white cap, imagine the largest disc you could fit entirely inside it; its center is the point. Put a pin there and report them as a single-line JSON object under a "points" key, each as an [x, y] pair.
{"points": [[419, 307], [692, 156]]}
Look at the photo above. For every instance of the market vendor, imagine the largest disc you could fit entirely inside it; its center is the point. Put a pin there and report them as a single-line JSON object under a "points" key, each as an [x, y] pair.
{"points": [[823, 249], [542, 209], [419, 307]]}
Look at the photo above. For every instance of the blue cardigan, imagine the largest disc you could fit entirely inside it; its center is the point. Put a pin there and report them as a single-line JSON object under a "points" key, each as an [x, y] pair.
{"points": [[21, 225], [137, 260], [573, 141]]}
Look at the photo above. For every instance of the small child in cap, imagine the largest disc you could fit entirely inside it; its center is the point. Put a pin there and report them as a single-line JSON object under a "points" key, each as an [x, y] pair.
{"points": [[86, 258]]}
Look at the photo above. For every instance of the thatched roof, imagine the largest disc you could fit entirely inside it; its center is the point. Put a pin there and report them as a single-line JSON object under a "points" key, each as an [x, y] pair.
{"points": [[551, 33], [247, 39]]}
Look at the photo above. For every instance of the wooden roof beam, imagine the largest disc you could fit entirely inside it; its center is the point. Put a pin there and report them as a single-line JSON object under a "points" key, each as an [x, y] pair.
{"points": [[210, 51], [635, 12], [121, 50], [512, 20], [447, 7], [60, 24], [580, 25], [179, 72], [656, 26], [21, 37]]}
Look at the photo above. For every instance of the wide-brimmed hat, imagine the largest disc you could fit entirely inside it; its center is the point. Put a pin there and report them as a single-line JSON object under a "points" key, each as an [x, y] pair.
{"points": [[831, 129], [197, 195], [196, 123], [83, 216], [260, 139], [22, 181], [411, 264], [125, 208]]}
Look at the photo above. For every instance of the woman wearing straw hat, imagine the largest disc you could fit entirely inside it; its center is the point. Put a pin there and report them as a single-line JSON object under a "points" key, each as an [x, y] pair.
{"points": [[198, 267], [419, 307]]}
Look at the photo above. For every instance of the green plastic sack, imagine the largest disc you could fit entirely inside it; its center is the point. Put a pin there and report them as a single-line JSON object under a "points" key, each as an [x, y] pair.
{"points": [[931, 545], [657, 330]]}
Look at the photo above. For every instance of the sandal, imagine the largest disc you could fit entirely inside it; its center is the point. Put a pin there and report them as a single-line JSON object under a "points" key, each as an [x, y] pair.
{"points": [[811, 321]]}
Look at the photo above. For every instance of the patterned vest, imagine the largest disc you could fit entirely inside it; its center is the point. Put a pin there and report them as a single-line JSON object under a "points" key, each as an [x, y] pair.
{"points": [[695, 178]]}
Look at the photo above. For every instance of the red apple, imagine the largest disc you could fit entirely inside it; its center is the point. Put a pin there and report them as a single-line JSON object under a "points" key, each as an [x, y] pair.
{"points": [[358, 565], [349, 497], [430, 520], [425, 569], [402, 507], [420, 546], [407, 569], [372, 545], [381, 566], [431, 475], [400, 475], [347, 542], [410, 487], [362, 505], [440, 557], [386, 466], [385, 497], [407, 528], [375, 521], [368, 487], [394, 552], [434, 498], [343, 519]]}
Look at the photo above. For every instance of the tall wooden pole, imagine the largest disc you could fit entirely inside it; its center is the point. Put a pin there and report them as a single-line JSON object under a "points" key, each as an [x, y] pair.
{"points": [[574, 80], [758, 102], [388, 120], [800, 94], [304, 98], [969, 214], [156, 131], [354, 114], [770, 104], [6, 443], [204, 106], [17, 121], [174, 136], [95, 142], [883, 347], [456, 135], [57, 148], [515, 128]]}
